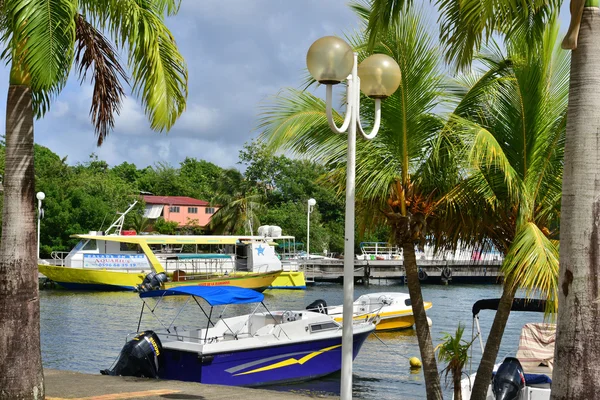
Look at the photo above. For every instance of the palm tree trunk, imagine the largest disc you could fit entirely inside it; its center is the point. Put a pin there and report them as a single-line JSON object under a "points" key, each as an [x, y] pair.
{"points": [[456, 377], [430, 371], [488, 359], [21, 374], [577, 353]]}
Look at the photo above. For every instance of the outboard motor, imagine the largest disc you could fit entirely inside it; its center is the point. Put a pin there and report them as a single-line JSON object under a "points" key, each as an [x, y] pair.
{"points": [[140, 357], [318, 306], [152, 281], [509, 380]]}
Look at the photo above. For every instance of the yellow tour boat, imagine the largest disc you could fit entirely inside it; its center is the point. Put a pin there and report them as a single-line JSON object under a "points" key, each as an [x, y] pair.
{"points": [[123, 260]]}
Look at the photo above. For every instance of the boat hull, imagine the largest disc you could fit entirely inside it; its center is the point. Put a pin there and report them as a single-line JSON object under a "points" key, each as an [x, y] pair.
{"points": [[390, 320], [289, 280], [258, 367], [106, 280], [92, 279]]}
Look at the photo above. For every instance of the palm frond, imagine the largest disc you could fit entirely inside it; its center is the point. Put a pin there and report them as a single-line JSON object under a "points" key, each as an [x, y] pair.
{"points": [[383, 15], [95, 52], [158, 70], [466, 24], [532, 264], [40, 36]]}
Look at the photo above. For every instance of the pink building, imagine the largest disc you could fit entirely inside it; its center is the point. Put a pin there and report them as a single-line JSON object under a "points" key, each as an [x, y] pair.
{"points": [[181, 209]]}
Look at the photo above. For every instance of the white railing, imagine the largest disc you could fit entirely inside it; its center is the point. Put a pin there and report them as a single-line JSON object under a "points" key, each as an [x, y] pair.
{"points": [[58, 257]]}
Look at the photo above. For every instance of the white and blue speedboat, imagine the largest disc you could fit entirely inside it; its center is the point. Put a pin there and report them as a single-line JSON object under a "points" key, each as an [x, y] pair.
{"points": [[256, 349]]}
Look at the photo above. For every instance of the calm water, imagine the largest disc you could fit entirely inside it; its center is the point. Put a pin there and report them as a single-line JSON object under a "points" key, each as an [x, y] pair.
{"points": [[85, 331]]}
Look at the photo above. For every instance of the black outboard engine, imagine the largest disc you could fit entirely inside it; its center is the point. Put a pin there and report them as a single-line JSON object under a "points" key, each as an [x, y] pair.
{"points": [[152, 281], [509, 380], [318, 306], [140, 357]]}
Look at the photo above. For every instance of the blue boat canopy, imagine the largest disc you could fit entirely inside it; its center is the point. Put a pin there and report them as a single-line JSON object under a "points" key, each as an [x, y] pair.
{"points": [[213, 295]]}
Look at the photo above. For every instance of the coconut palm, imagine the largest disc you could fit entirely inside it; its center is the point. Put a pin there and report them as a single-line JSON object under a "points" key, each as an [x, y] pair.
{"points": [[390, 183], [240, 204], [513, 133], [577, 373], [44, 40], [454, 352]]}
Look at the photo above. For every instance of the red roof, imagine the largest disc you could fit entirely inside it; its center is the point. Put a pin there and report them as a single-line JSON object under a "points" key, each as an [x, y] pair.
{"points": [[174, 201]]}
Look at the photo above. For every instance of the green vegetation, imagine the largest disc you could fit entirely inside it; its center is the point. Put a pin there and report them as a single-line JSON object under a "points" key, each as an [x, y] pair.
{"points": [[87, 196], [454, 352]]}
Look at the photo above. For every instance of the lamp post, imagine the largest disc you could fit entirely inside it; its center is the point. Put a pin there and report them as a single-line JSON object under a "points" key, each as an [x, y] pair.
{"points": [[311, 204], [40, 196], [330, 60]]}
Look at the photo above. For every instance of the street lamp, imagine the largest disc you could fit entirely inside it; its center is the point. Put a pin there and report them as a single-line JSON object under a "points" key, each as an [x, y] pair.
{"points": [[40, 196], [311, 204], [330, 60]]}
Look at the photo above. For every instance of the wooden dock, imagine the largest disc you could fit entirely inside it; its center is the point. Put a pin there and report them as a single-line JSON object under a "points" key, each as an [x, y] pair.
{"points": [[392, 271]]}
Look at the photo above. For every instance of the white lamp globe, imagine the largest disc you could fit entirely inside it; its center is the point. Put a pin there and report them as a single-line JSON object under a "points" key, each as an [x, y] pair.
{"points": [[329, 60], [379, 76], [312, 202], [40, 195]]}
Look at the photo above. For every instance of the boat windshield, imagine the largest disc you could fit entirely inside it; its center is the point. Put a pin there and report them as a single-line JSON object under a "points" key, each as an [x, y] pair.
{"points": [[85, 244]]}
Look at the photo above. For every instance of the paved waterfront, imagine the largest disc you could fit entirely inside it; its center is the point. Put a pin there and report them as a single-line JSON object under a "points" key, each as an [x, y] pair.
{"points": [[63, 385]]}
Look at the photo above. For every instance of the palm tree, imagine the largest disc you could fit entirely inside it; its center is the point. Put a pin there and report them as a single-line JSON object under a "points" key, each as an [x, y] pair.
{"points": [[577, 373], [390, 183], [44, 40], [514, 133], [454, 351], [466, 24], [240, 205]]}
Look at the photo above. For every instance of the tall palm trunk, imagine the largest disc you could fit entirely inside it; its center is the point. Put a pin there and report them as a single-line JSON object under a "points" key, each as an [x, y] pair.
{"points": [[577, 363], [430, 371], [486, 366], [21, 374]]}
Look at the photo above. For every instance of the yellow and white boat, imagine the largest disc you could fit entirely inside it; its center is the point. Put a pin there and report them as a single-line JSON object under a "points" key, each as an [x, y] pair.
{"points": [[392, 310], [118, 261]]}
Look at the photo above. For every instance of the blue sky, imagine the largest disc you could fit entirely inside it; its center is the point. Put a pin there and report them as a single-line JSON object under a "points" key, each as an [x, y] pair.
{"points": [[239, 53]]}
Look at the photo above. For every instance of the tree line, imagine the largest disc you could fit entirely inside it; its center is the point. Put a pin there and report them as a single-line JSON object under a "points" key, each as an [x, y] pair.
{"points": [[87, 197]]}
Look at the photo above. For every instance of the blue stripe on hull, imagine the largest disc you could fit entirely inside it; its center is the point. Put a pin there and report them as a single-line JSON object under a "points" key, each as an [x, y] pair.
{"points": [[93, 286], [285, 363]]}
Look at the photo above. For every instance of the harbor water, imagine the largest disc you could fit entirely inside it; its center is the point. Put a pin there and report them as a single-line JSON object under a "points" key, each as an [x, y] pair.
{"points": [[84, 332]]}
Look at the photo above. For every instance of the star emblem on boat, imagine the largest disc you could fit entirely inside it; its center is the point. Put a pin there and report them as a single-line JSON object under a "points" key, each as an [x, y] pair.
{"points": [[260, 250]]}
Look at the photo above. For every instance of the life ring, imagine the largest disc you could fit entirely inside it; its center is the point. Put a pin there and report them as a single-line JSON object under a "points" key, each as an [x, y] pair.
{"points": [[446, 273], [422, 275]]}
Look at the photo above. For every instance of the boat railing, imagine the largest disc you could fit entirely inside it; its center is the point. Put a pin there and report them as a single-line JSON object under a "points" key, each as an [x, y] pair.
{"points": [[200, 266], [380, 250], [58, 257], [290, 265]]}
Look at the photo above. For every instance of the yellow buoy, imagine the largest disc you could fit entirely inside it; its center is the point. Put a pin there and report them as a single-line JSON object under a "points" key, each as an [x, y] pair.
{"points": [[415, 362]]}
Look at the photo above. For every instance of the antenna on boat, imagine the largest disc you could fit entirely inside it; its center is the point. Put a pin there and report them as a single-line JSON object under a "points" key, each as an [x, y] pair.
{"points": [[118, 224]]}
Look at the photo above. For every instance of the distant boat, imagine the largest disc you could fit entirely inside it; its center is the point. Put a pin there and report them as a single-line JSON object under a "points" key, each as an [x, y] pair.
{"points": [[122, 260], [255, 349], [389, 310]]}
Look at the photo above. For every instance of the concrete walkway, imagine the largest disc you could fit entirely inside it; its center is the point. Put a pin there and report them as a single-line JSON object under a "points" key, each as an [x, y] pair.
{"points": [[66, 385]]}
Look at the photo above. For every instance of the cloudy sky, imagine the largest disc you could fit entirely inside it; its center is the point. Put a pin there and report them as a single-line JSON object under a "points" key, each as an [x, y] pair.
{"points": [[239, 53]]}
